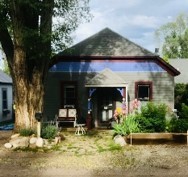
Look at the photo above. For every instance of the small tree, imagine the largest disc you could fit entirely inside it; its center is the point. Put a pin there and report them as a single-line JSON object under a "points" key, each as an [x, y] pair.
{"points": [[174, 37]]}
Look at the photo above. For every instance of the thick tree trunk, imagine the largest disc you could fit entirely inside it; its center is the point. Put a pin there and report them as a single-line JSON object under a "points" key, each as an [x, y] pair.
{"points": [[28, 92], [28, 54]]}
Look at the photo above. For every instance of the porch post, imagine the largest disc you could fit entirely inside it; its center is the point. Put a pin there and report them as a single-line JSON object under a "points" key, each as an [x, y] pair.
{"points": [[89, 108], [124, 94], [89, 104]]}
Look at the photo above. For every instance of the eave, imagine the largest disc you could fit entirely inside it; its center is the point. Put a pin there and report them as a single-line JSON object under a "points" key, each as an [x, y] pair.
{"points": [[166, 66]]}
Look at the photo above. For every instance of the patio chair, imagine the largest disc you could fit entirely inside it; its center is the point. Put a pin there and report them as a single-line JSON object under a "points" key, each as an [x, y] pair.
{"points": [[66, 115]]}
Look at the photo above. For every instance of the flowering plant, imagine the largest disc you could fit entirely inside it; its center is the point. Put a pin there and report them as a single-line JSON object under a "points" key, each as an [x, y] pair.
{"points": [[120, 112], [128, 122], [134, 106]]}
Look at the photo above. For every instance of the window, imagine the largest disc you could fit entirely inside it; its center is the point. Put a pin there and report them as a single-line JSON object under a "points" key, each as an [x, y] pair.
{"points": [[4, 99], [143, 91], [69, 94]]}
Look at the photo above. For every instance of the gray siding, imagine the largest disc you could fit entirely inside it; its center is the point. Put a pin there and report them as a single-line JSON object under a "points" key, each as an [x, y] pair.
{"points": [[53, 93], [163, 85], [163, 89]]}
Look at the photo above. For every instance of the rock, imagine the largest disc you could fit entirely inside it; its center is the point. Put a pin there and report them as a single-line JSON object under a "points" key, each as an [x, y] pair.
{"points": [[32, 145], [15, 136], [61, 136], [33, 140], [40, 142], [20, 142], [46, 142], [8, 145], [57, 140], [119, 140]]}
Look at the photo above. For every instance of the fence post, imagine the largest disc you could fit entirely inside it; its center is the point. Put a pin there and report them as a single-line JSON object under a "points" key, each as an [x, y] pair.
{"points": [[131, 139]]}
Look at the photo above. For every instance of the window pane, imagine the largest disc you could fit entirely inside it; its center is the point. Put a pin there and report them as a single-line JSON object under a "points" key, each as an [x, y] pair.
{"points": [[69, 95], [143, 92], [4, 99], [4, 94]]}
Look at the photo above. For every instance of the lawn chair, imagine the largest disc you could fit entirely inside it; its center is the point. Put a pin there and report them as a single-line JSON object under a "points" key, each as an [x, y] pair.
{"points": [[66, 115]]}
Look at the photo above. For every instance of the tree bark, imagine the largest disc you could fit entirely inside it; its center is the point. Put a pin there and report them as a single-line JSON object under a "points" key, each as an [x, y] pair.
{"points": [[28, 69], [26, 36], [28, 93]]}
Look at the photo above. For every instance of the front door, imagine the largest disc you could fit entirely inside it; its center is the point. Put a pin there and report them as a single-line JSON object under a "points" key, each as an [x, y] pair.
{"points": [[107, 98], [106, 109]]}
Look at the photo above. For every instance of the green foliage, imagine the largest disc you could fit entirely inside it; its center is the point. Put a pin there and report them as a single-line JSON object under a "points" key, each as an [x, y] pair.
{"points": [[26, 132], [174, 36], [181, 100], [129, 125], [184, 112], [49, 132], [152, 118], [177, 125]]}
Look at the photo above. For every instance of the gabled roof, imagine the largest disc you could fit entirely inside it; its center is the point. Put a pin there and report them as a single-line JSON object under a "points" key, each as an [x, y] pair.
{"points": [[180, 65], [4, 78], [106, 78], [109, 45], [106, 43]]}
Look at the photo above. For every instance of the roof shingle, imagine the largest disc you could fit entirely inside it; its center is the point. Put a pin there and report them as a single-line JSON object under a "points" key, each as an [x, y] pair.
{"points": [[4, 78], [106, 43]]}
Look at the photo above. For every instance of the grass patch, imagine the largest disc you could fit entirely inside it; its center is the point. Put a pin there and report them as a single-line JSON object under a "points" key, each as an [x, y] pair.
{"points": [[26, 132], [114, 147]]}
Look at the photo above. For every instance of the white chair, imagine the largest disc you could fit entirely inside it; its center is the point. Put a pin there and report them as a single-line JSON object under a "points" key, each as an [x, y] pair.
{"points": [[66, 115]]}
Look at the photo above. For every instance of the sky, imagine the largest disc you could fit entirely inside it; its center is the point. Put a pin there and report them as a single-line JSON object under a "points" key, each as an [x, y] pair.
{"points": [[136, 20]]}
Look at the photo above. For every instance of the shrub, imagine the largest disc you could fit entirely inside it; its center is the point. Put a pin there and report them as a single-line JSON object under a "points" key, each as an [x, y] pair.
{"points": [[49, 132], [129, 125], [177, 125], [152, 118], [183, 114], [26, 132]]}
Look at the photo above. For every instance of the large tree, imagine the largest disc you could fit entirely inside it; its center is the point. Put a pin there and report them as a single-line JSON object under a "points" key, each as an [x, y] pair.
{"points": [[174, 37], [29, 31]]}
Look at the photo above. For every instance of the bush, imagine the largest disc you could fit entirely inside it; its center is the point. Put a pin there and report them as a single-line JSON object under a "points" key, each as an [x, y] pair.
{"points": [[49, 132], [26, 132], [183, 114], [129, 125], [152, 118], [177, 125]]}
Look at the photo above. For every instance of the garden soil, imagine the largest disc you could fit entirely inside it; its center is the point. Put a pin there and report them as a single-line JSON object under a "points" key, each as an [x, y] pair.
{"points": [[94, 155]]}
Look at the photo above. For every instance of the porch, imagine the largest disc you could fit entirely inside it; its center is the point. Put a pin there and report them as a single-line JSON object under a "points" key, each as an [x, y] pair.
{"points": [[106, 92]]}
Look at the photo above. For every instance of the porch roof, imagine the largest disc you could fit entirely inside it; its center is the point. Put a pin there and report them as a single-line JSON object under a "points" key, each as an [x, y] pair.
{"points": [[106, 78]]}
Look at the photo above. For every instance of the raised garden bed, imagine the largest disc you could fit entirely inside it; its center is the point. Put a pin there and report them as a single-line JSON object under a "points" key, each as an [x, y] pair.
{"points": [[157, 138]]}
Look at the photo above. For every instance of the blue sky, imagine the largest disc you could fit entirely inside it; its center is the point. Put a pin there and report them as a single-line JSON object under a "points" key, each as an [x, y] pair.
{"points": [[136, 20]]}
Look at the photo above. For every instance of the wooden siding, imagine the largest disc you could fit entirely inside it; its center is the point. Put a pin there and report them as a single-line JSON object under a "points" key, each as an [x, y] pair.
{"points": [[163, 88], [53, 93]]}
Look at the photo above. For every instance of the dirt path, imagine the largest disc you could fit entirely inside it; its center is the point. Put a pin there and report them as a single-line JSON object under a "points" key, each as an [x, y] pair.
{"points": [[89, 156]]}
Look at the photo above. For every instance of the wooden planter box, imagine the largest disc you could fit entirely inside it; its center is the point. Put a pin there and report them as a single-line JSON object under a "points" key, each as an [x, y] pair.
{"points": [[157, 138]]}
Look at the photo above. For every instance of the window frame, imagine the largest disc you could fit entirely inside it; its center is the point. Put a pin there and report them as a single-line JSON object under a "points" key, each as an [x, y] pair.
{"points": [[4, 99], [144, 83], [65, 85]]}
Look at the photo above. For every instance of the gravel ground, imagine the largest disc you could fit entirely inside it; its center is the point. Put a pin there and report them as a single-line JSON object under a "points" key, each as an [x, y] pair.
{"points": [[94, 155]]}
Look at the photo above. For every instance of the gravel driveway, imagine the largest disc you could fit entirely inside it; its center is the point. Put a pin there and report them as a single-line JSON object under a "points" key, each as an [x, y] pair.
{"points": [[94, 155]]}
